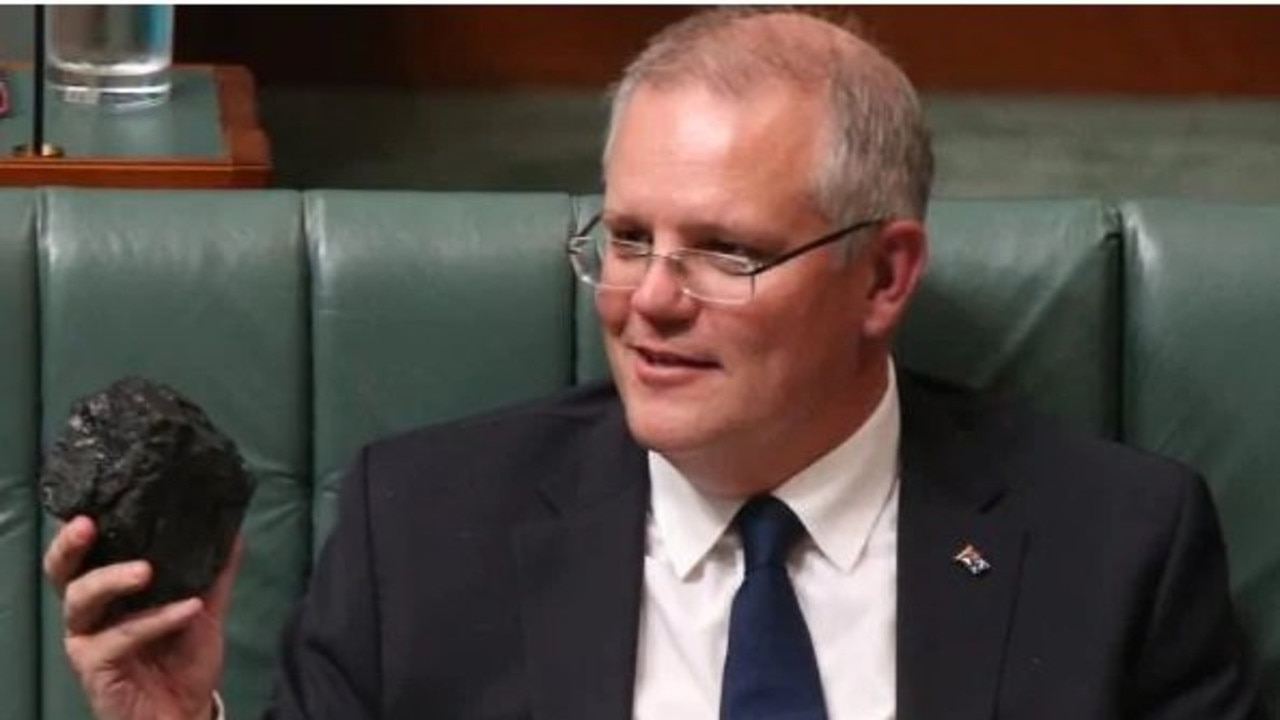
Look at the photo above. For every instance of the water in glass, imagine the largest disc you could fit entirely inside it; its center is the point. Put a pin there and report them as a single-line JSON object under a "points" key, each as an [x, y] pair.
{"points": [[116, 56]]}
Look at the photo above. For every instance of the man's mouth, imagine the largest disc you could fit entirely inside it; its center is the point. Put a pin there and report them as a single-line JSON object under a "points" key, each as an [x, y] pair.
{"points": [[664, 359]]}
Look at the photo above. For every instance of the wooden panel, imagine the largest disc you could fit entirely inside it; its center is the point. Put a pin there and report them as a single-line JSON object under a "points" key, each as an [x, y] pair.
{"points": [[1133, 49], [434, 46], [246, 165], [1073, 49]]}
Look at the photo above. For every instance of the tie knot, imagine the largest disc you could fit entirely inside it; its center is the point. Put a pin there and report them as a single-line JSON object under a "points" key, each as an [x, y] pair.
{"points": [[768, 529]]}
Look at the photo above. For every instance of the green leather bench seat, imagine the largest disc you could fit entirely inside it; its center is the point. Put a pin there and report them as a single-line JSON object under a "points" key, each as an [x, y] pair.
{"points": [[1201, 369], [427, 308], [1022, 299], [19, 518], [310, 323]]}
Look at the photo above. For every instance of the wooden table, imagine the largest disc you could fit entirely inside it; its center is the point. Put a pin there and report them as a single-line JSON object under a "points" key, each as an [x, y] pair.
{"points": [[206, 136]]}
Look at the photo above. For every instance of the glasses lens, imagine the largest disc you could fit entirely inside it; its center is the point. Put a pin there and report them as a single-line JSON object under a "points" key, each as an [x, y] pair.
{"points": [[717, 278], [622, 265]]}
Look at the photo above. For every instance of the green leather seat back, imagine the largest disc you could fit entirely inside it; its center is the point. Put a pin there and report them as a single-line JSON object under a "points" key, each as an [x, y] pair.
{"points": [[205, 291], [19, 540], [589, 358], [1202, 358], [430, 307], [1020, 298]]}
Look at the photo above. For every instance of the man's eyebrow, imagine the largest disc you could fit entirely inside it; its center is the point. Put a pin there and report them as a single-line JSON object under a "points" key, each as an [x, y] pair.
{"points": [[705, 232], [698, 232], [611, 217]]}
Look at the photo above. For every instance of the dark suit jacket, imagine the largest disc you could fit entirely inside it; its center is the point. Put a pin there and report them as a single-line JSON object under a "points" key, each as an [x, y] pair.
{"points": [[492, 568]]}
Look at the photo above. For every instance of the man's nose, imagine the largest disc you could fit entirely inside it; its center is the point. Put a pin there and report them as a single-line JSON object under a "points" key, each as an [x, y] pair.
{"points": [[661, 290]]}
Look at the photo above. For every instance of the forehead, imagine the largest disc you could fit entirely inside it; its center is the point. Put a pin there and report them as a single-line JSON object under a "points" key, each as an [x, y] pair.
{"points": [[689, 150]]}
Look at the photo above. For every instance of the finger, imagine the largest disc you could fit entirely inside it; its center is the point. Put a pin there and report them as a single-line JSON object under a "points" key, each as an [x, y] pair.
{"points": [[88, 596], [127, 637], [67, 550], [219, 596]]}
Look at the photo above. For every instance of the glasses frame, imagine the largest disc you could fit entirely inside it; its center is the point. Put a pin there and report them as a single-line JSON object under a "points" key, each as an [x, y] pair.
{"points": [[581, 240]]}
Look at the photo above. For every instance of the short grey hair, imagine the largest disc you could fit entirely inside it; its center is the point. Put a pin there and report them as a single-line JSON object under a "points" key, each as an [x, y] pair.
{"points": [[877, 160]]}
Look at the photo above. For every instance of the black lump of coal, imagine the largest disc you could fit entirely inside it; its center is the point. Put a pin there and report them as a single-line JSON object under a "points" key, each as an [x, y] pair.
{"points": [[158, 479]]}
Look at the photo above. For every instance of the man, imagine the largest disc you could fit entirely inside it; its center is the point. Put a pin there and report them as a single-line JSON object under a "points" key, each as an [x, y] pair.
{"points": [[766, 518]]}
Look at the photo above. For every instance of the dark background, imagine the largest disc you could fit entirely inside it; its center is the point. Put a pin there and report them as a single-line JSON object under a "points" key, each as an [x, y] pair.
{"points": [[1077, 49]]}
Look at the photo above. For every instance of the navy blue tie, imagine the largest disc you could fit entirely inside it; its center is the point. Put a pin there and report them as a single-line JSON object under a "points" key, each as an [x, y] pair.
{"points": [[770, 672]]}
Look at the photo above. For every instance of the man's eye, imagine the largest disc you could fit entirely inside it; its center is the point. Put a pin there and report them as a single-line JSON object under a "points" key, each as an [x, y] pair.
{"points": [[729, 264], [732, 249], [619, 247], [638, 237]]}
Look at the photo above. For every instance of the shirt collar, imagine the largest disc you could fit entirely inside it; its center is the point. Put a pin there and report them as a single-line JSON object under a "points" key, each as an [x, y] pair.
{"points": [[838, 497]]}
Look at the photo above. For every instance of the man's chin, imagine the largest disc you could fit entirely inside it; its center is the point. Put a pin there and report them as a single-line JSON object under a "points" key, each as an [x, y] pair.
{"points": [[670, 431]]}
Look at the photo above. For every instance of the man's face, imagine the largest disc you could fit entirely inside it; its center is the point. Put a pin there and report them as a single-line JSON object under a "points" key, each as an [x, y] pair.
{"points": [[690, 169]]}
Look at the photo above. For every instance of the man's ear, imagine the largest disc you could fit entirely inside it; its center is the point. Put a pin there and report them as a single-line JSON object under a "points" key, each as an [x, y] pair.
{"points": [[897, 261]]}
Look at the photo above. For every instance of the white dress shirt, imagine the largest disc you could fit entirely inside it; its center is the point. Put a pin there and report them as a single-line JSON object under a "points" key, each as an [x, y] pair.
{"points": [[844, 573]]}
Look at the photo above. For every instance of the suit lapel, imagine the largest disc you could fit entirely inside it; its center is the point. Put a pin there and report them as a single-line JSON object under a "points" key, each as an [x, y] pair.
{"points": [[580, 582], [952, 624]]}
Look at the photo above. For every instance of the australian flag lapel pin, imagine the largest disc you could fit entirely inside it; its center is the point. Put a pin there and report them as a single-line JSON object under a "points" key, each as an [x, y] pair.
{"points": [[970, 559]]}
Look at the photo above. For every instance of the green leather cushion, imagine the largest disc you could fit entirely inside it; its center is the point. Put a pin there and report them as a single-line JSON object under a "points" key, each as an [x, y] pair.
{"points": [[589, 358], [205, 291], [19, 542], [430, 307], [1021, 298], [1203, 352]]}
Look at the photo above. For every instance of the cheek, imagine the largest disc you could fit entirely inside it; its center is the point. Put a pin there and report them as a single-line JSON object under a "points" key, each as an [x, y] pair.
{"points": [[796, 343], [612, 309], [751, 344]]}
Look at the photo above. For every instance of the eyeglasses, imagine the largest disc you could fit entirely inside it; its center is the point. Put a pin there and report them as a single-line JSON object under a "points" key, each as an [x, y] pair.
{"points": [[616, 263]]}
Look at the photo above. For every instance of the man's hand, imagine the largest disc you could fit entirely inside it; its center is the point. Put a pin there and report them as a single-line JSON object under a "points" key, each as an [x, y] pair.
{"points": [[158, 664]]}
